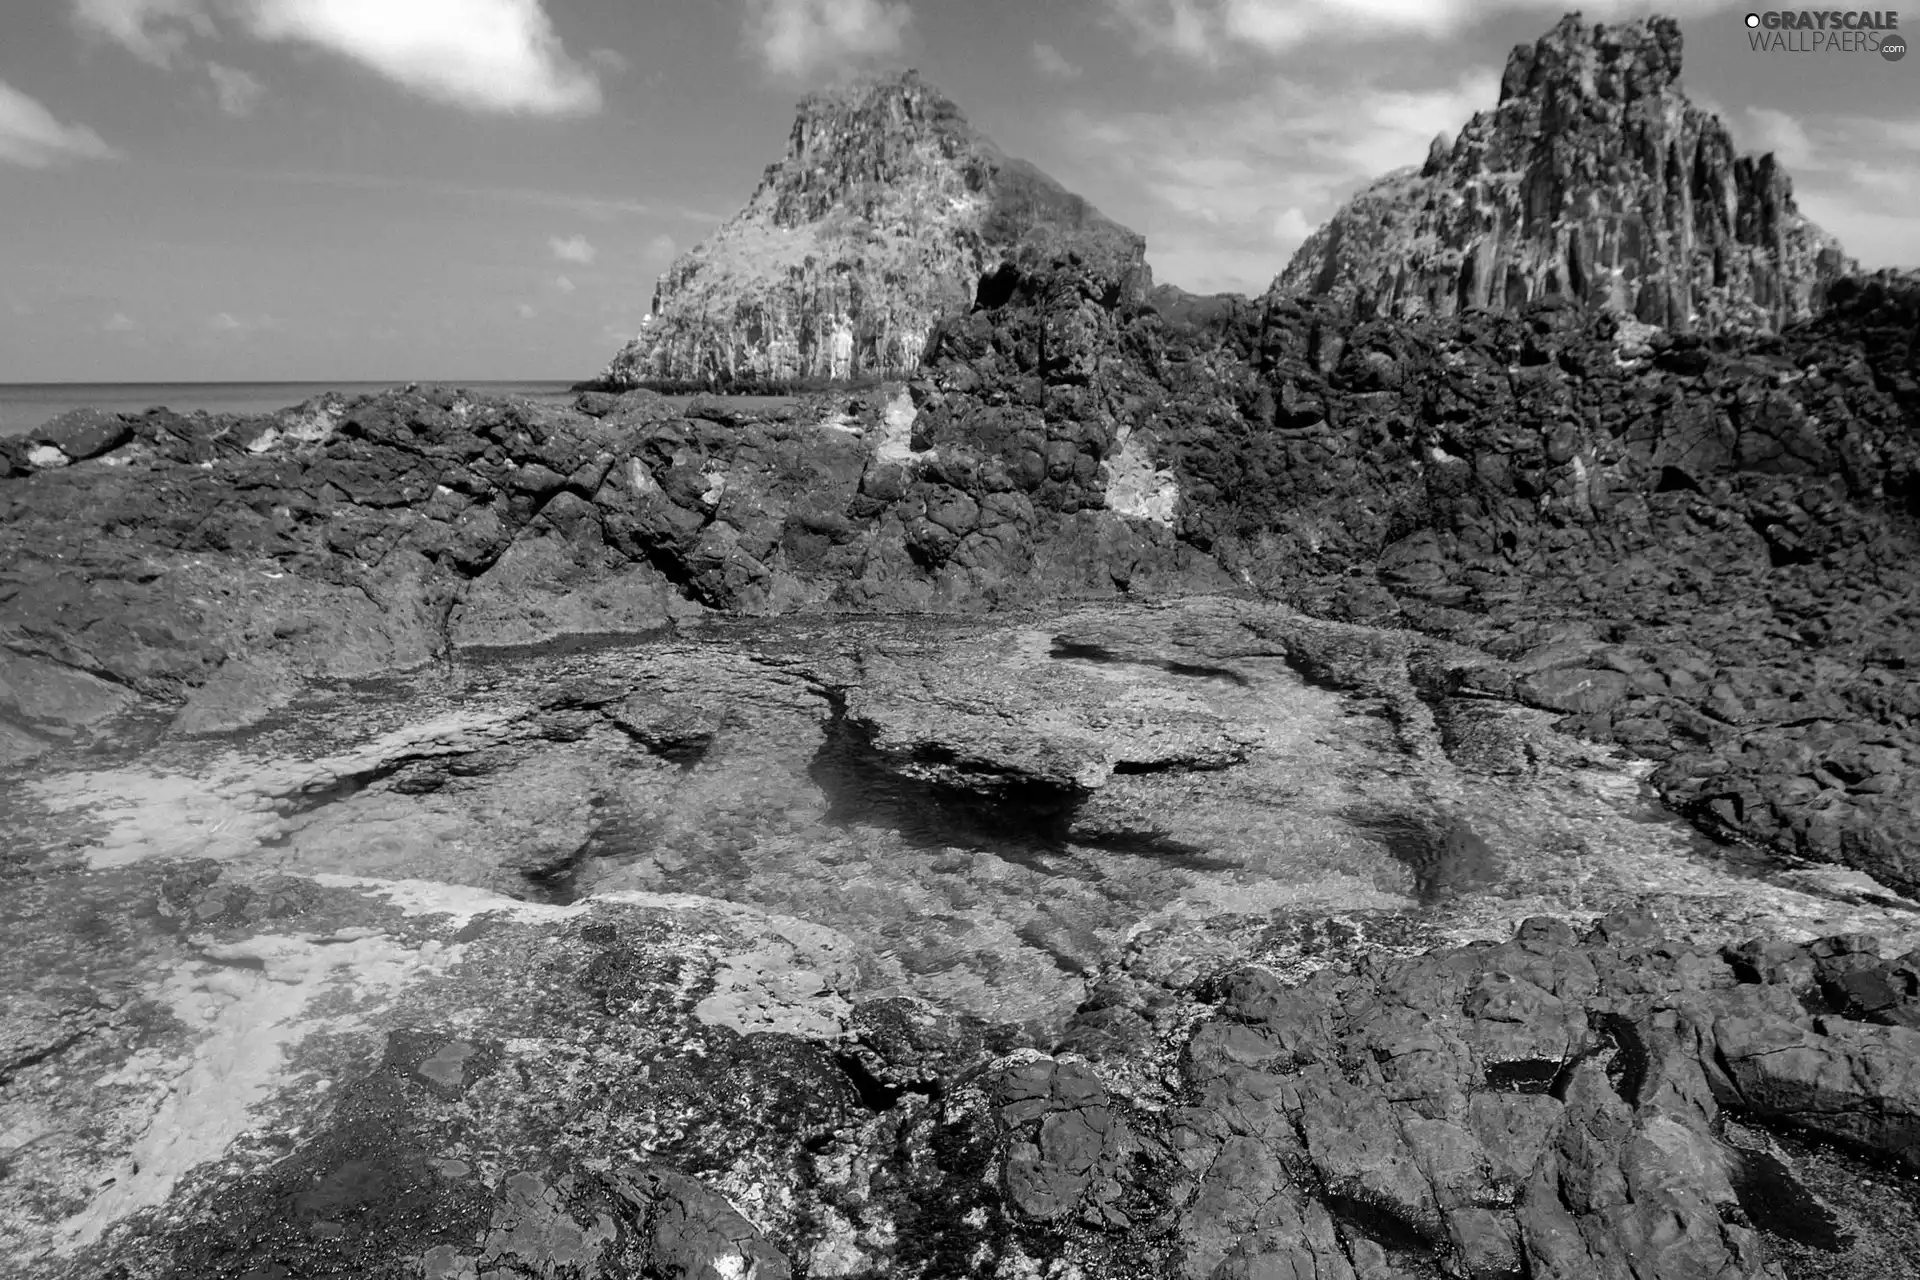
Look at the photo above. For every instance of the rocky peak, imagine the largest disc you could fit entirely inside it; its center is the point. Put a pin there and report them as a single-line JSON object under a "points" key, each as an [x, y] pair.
{"points": [[885, 212], [849, 143], [1592, 178], [1575, 62]]}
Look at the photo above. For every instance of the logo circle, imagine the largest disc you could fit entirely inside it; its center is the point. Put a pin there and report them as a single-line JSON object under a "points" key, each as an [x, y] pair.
{"points": [[1753, 19], [1893, 49]]}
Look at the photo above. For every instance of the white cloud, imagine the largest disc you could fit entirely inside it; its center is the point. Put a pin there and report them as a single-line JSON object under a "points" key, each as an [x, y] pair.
{"points": [[572, 249], [1780, 133], [1850, 175], [484, 55], [662, 247], [525, 310], [595, 208], [156, 31], [612, 60], [564, 284], [1291, 227], [799, 37], [31, 136], [1210, 31], [239, 93], [1051, 62], [120, 322], [490, 55], [231, 325], [1230, 189]]}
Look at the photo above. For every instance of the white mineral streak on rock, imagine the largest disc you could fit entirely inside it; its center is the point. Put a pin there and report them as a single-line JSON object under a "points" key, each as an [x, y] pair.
{"points": [[1135, 487], [307, 427], [913, 345], [639, 478], [896, 431], [45, 456], [840, 348], [226, 808], [790, 980], [791, 983], [716, 486], [1632, 341], [1582, 485], [252, 1016]]}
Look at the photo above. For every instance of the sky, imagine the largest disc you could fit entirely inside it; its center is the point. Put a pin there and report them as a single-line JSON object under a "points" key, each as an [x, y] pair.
{"points": [[381, 190]]}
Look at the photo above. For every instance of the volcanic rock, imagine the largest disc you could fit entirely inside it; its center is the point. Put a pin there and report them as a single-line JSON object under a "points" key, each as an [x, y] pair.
{"points": [[883, 216], [1593, 179]]}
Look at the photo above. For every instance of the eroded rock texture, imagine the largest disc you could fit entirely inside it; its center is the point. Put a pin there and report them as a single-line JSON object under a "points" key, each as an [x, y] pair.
{"points": [[1594, 178], [1702, 553], [881, 218]]}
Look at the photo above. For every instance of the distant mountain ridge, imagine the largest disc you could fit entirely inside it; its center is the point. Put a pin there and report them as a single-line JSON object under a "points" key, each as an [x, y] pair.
{"points": [[882, 217], [1593, 178]]}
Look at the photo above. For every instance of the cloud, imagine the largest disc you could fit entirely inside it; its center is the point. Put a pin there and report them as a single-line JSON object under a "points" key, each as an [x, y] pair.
{"points": [[31, 136], [1229, 189], [1291, 226], [662, 248], [155, 31], [119, 322], [597, 208], [1052, 62], [238, 92], [610, 60], [525, 310], [483, 55], [572, 249], [230, 325], [799, 37], [1850, 175], [488, 55], [1211, 31], [1782, 134], [564, 284]]}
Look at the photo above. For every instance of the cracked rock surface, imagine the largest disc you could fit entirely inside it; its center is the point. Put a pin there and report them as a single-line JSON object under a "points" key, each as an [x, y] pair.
{"points": [[1112, 941]]}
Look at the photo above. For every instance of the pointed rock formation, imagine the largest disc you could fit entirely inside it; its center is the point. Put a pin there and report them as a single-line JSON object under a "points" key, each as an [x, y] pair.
{"points": [[1594, 178], [883, 216]]}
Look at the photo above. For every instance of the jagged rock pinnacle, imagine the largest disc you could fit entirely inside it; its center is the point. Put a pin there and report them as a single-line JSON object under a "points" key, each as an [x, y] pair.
{"points": [[1593, 178], [883, 215]]}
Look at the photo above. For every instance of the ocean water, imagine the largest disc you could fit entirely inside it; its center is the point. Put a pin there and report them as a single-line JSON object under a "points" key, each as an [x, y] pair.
{"points": [[26, 405]]}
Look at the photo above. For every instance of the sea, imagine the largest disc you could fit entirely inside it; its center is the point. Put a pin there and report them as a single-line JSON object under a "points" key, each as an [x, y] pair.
{"points": [[26, 405]]}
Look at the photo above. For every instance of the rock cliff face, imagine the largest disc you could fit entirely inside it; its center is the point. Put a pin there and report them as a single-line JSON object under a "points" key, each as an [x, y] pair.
{"points": [[882, 217], [1593, 178]]}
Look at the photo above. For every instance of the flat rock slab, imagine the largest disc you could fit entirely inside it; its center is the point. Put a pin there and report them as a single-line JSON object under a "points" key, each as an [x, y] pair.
{"points": [[854, 947]]}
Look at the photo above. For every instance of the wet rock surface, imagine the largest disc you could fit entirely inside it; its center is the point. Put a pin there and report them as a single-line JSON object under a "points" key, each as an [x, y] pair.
{"points": [[1112, 939]]}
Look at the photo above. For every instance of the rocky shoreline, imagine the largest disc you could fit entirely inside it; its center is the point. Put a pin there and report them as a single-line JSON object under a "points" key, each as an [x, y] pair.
{"points": [[1409, 776], [1480, 537]]}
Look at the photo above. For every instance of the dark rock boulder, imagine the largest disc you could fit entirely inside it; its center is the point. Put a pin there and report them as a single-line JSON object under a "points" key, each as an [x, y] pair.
{"points": [[83, 433]]}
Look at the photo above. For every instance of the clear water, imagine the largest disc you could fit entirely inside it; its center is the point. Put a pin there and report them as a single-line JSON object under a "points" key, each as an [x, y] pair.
{"points": [[26, 405]]}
